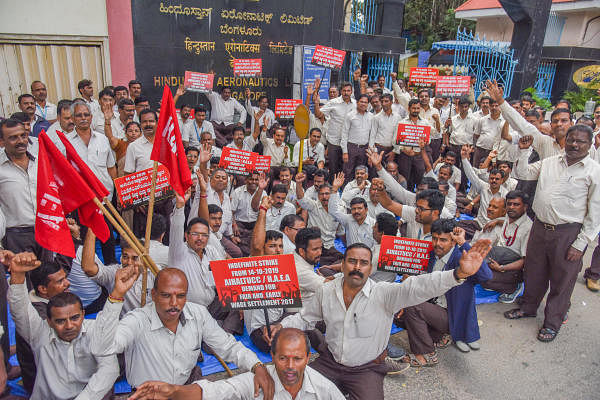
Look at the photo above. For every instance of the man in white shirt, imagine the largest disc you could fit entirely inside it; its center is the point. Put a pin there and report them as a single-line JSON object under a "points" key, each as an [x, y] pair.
{"points": [[285, 178], [68, 365], [275, 147], [319, 217], [35, 123], [86, 91], [359, 187], [335, 111], [183, 118], [281, 207], [106, 103], [292, 381], [266, 116], [432, 116], [487, 134], [244, 216], [358, 314], [507, 257], [223, 108], [385, 127], [43, 108], [358, 225], [215, 220], [158, 251], [355, 136], [191, 135], [313, 157], [461, 128], [565, 204], [484, 107], [289, 226], [64, 123], [238, 141], [162, 340], [138, 153], [135, 89]]}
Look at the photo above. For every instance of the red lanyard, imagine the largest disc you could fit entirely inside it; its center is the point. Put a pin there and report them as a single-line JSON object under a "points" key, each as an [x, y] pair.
{"points": [[510, 240]]}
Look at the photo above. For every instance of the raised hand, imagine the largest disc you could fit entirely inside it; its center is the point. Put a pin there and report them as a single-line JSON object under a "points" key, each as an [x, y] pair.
{"points": [[23, 262], [124, 280], [394, 76], [310, 89], [317, 84], [107, 111], [180, 90], [300, 177], [375, 158], [356, 74], [266, 202], [493, 154], [470, 261], [458, 235], [180, 201], [205, 153], [247, 93], [495, 91], [364, 78], [258, 115], [466, 150], [263, 181], [338, 181], [525, 142], [202, 183]]}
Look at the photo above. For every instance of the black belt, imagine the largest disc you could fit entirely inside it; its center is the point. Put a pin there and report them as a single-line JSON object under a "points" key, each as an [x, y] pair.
{"points": [[246, 225], [20, 229], [550, 227]]}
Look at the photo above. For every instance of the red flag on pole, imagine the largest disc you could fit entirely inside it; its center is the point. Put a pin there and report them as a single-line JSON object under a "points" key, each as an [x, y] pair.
{"points": [[168, 148], [51, 229], [89, 214]]}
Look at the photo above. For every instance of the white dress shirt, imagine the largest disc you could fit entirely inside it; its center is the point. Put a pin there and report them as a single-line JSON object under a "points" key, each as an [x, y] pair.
{"points": [[456, 174], [48, 112], [94, 105], [308, 279], [181, 256], [153, 352], [489, 131], [515, 235], [2, 227], [18, 191], [115, 125], [241, 201], [97, 155], [277, 153], [222, 111], [320, 218], [428, 116], [352, 190], [255, 319], [336, 110], [137, 157], [275, 215], [566, 194], [66, 370], [356, 129], [463, 130], [192, 133], [360, 333], [384, 129], [317, 153], [159, 253], [288, 246], [355, 233], [241, 387], [251, 110]]}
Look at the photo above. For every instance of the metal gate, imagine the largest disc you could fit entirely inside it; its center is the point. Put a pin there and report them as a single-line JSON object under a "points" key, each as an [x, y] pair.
{"points": [[545, 79], [381, 65], [484, 59]]}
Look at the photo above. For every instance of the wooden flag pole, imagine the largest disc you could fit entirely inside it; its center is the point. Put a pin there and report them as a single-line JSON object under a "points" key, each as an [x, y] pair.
{"points": [[301, 155], [148, 230], [145, 257], [224, 364]]}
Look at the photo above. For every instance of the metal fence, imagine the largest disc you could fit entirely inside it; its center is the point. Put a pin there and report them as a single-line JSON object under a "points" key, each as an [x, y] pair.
{"points": [[381, 65], [545, 79], [364, 15]]}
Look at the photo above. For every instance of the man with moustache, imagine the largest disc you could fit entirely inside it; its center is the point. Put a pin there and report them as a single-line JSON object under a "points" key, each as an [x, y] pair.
{"points": [[290, 350], [191, 135], [64, 123], [37, 124], [358, 314], [244, 217], [223, 108], [43, 108], [566, 203], [432, 116], [162, 340], [356, 131]]}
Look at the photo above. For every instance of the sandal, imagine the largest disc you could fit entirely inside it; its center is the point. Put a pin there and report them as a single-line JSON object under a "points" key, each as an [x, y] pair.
{"points": [[546, 335], [430, 360], [516, 313], [443, 342]]}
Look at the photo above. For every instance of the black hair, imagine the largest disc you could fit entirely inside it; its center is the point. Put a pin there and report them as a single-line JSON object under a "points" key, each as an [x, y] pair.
{"points": [[134, 82], [225, 87], [194, 221], [450, 153], [39, 276], [125, 244], [448, 166], [238, 129], [106, 92], [148, 111], [20, 116], [501, 162], [141, 99], [518, 194], [21, 97], [363, 96], [412, 102], [62, 300], [344, 84], [435, 198], [199, 109], [527, 97], [289, 221], [358, 200], [387, 96], [356, 245], [125, 102], [496, 171], [320, 172], [305, 235], [423, 90], [273, 235], [513, 102], [485, 98], [284, 330], [464, 100], [430, 182], [191, 148], [443, 225], [315, 129], [158, 227], [132, 123], [585, 119], [279, 188], [561, 111], [214, 209], [532, 113], [184, 105], [582, 128], [63, 104], [119, 89], [260, 98], [567, 102], [387, 224], [83, 83]]}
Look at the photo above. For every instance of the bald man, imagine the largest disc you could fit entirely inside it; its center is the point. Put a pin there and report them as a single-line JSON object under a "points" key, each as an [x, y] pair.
{"points": [[293, 378], [162, 340]]}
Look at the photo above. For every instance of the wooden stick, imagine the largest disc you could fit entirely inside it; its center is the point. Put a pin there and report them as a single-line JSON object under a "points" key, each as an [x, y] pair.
{"points": [[224, 364], [145, 257], [148, 230], [301, 155]]}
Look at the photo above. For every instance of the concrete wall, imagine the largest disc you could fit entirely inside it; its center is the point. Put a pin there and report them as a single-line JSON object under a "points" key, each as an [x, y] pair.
{"points": [[495, 28], [54, 17]]}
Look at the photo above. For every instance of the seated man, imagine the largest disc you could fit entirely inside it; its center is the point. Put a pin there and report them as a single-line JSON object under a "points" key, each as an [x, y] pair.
{"points": [[162, 340], [507, 257], [358, 187], [244, 216], [223, 108], [358, 314], [289, 226], [285, 178], [280, 206], [215, 218], [158, 251], [68, 366], [429, 323], [293, 379]]}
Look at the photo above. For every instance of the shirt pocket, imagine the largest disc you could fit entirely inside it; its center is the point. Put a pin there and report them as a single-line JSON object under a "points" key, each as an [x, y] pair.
{"points": [[98, 157], [362, 326]]}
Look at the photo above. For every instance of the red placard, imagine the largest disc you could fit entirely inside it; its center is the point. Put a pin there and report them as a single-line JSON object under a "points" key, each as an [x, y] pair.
{"points": [[404, 255], [247, 67], [243, 162], [453, 85], [286, 108], [409, 135], [328, 57], [198, 82], [425, 77], [134, 189], [257, 282]]}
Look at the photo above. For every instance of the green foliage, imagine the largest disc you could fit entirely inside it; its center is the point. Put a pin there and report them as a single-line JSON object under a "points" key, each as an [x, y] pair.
{"points": [[428, 21], [539, 101], [578, 97]]}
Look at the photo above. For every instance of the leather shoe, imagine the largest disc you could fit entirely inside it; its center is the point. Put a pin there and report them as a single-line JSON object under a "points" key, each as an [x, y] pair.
{"points": [[592, 285]]}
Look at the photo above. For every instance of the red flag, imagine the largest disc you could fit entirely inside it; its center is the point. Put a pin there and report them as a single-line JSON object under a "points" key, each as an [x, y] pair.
{"points": [[168, 148], [89, 214], [51, 229], [74, 192]]}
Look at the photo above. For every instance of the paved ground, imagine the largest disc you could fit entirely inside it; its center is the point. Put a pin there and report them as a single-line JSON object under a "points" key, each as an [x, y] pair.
{"points": [[512, 364]]}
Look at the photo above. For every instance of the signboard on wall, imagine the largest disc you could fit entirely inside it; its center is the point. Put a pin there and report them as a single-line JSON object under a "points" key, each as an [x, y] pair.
{"points": [[207, 35]]}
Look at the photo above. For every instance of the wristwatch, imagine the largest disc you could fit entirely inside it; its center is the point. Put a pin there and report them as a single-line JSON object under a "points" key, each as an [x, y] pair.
{"points": [[459, 280]]}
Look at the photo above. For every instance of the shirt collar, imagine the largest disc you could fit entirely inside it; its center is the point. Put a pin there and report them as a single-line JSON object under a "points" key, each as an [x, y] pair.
{"points": [[519, 220], [584, 161], [156, 323], [54, 337], [4, 157], [37, 299], [446, 257]]}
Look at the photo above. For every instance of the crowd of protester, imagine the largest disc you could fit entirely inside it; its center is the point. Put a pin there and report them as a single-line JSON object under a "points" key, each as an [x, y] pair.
{"points": [[505, 196]]}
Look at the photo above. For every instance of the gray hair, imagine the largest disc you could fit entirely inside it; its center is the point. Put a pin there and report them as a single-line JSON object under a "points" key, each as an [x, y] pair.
{"points": [[361, 167], [80, 102]]}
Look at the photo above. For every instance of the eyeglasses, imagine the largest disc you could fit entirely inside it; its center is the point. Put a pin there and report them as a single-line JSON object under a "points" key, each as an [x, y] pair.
{"points": [[421, 209], [199, 234], [83, 115]]}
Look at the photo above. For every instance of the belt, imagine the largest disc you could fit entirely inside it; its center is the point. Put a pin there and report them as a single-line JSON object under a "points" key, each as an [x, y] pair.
{"points": [[20, 229], [246, 225], [361, 146], [550, 227], [384, 148]]}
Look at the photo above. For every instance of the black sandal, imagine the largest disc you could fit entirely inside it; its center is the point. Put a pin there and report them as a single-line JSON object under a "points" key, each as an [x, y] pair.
{"points": [[516, 313], [546, 335]]}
